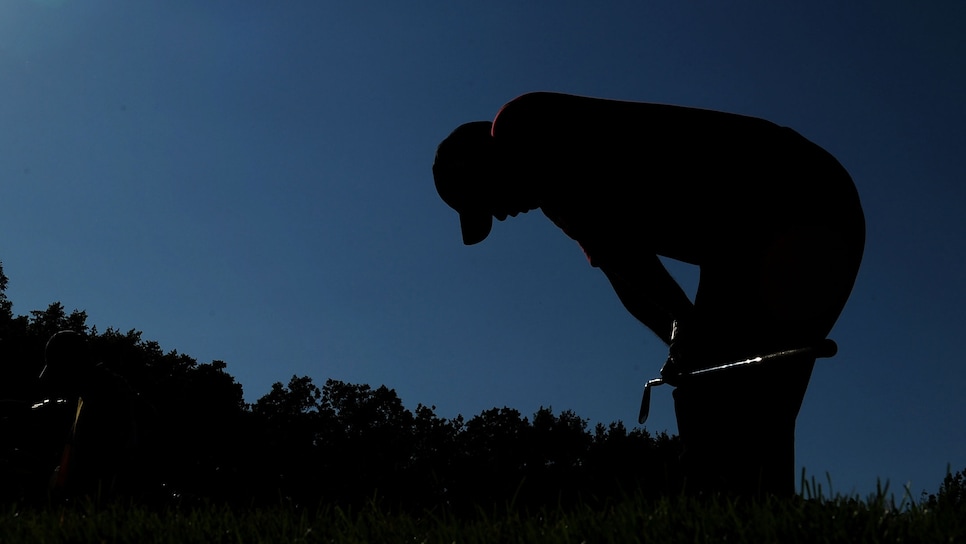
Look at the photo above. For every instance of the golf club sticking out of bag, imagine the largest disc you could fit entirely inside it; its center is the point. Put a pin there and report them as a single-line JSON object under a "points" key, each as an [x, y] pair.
{"points": [[825, 348]]}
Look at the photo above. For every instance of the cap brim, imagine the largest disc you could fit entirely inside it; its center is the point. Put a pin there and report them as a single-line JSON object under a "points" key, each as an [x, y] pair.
{"points": [[475, 226]]}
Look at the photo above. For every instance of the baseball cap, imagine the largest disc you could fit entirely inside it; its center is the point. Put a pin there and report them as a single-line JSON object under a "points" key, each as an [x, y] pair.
{"points": [[460, 176]]}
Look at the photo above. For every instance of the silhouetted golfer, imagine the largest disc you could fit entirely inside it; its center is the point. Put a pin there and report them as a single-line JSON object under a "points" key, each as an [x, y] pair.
{"points": [[772, 220], [97, 458]]}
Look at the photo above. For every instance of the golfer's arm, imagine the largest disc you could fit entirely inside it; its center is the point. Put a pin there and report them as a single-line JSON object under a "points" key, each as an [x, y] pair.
{"points": [[650, 294]]}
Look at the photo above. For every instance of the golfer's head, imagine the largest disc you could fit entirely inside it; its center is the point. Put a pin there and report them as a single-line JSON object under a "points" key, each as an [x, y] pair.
{"points": [[67, 356], [464, 175]]}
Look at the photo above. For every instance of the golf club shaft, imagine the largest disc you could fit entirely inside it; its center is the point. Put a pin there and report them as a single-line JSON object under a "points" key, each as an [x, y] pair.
{"points": [[825, 348]]}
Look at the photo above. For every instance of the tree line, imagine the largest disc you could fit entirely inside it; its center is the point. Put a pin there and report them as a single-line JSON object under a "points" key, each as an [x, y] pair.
{"points": [[158, 426]]}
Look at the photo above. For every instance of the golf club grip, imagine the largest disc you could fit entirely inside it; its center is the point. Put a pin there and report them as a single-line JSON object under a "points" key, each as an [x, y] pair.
{"points": [[826, 348]]}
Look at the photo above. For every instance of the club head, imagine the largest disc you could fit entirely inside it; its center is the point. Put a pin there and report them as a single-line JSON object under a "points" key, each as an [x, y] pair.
{"points": [[645, 404], [646, 400]]}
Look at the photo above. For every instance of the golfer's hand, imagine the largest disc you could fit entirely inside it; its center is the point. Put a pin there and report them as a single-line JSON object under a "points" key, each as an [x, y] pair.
{"points": [[677, 354]]}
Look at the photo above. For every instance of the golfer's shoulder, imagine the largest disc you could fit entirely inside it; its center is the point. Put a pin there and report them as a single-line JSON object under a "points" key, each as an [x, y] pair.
{"points": [[538, 101], [550, 111], [536, 110], [545, 106]]}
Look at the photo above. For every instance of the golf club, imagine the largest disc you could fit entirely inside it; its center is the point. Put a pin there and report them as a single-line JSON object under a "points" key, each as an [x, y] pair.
{"points": [[825, 348]]}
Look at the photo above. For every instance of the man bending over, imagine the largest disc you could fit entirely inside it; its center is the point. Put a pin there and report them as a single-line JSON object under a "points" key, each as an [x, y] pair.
{"points": [[772, 221]]}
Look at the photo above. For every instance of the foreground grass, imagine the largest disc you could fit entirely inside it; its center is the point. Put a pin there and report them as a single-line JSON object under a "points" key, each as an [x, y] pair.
{"points": [[631, 520]]}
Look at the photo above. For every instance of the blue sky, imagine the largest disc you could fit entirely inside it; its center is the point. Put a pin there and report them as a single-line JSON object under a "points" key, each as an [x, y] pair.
{"points": [[250, 181]]}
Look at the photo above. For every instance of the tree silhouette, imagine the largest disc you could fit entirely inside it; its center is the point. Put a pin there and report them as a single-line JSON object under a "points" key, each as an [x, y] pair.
{"points": [[6, 307], [290, 402], [284, 441], [194, 437], [368, 432], [951, 495]]}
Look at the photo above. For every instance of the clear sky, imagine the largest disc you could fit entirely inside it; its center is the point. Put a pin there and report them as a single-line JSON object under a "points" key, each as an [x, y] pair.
{"points": [[250, 181]]}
